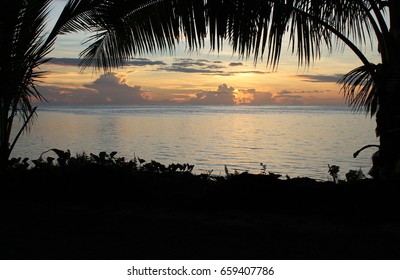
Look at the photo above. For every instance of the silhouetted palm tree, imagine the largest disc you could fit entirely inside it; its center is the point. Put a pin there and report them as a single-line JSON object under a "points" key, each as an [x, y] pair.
{"points": [[22, 50], [257, 27], [121, 28]]}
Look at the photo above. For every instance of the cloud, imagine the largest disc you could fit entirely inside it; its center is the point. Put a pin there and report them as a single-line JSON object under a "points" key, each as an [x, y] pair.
{"points": [[189, 62], [107, 89], [143, 62], [228, 95], [113, 89], [263, 98], [313, 91], [189, 65], [289, 99], [254, 97], [284, 91], [254, 72], [131, 62], [62, 95], [180, 65], [320, 78], [64, 61], [186, 69], [205, 67], [235, 64], [300, 97], [224, 95]]}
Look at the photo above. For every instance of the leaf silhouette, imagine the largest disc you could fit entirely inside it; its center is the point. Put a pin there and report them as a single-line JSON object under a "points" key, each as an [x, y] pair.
{"points": [[58, 152], [103, 155], [94, 157], [50, 160]]}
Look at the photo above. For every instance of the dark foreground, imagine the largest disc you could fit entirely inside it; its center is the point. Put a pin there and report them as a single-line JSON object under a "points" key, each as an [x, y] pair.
{"points": [[105, 213]]}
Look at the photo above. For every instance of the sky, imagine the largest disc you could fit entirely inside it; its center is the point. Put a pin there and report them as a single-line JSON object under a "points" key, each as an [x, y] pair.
{"points": [[201, 78]]}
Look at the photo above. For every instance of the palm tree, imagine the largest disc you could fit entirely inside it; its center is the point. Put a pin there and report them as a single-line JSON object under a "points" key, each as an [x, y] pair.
{"points": [[258, 28], [22, 50], [121, 29]]}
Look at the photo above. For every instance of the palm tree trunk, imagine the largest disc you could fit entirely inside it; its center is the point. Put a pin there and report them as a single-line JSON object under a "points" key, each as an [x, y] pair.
{"points": [[388, 115], [388, 128]]}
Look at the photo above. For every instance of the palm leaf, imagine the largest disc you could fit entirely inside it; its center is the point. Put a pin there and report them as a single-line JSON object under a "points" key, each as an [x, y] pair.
{"points": [[259, 27], [22, 51], [125, 29], [77, 15], [360, 89]]}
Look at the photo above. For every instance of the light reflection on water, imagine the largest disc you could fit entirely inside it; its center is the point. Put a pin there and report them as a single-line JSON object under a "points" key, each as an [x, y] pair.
{"points": [[293, 140]]}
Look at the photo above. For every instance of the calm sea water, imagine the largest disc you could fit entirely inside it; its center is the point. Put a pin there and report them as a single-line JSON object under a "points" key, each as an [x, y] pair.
{"points": [[293, 140]]}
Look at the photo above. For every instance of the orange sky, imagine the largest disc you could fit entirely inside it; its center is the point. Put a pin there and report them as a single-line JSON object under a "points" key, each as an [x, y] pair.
{"points": [[189, 78]]}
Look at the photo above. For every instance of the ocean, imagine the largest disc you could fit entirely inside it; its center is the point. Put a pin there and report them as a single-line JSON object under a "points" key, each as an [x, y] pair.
{"points": [[298, 141]]}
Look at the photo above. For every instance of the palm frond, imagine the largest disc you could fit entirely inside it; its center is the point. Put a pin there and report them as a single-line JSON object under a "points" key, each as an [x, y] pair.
{"points": [[23, 50], [130, 28], [259, 27], [360, 89], [124, 29], [77, 15], [114, 40]]}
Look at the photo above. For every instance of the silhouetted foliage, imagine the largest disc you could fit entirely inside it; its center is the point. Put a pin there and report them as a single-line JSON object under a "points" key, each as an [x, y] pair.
{"points": [[334, 172], [100, 206]]}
